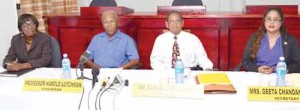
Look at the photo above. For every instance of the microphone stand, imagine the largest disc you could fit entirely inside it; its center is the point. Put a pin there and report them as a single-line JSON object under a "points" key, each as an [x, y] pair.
{"points": [[81, 73]]}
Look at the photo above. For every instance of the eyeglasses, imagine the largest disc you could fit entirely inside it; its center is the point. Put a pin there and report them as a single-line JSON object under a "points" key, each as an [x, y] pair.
{"points": [[174, 21], [27, 25], [109, 22], [275, 20]]}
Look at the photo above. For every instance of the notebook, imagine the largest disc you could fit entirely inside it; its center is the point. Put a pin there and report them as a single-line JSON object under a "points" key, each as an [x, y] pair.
{"points": [[15, 73], [215, 83]]}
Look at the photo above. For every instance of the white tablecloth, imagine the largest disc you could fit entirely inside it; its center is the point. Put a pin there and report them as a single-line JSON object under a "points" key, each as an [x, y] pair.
{"points": [[12, 97]]}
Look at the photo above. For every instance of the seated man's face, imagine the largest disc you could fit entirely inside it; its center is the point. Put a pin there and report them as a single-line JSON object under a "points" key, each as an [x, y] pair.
{"points": [[174, 23], [110, 24]]}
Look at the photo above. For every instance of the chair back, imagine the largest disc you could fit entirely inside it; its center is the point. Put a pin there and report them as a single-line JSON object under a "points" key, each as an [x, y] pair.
{"points": [[240, 67], [56, 54]]}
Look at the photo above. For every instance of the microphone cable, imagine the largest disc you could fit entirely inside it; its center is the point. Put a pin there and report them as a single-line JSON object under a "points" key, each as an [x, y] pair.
{"points": [[81, 98], [113, 91], [118, 91], [89, 99], [102, 94], [103, 85], [76, 72]]}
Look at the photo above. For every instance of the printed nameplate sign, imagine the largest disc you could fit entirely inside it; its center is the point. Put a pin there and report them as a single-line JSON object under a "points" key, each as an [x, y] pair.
{"points": [[285, 94], [56, 85], [167, 90]]}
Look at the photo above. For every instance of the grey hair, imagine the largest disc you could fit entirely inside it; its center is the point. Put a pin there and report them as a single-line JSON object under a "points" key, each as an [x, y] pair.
{"points": [[174, 12], [107, 12]]}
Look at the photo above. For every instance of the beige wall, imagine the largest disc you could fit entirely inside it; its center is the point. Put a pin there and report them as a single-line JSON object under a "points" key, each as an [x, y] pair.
{"points": [[8, 25]]}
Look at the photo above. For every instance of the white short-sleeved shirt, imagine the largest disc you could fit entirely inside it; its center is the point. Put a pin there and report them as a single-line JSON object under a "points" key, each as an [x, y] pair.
{"points": [[190, 47]]}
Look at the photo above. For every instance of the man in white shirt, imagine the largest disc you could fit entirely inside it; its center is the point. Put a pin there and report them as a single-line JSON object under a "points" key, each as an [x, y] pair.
{"points": [[191, 50]]}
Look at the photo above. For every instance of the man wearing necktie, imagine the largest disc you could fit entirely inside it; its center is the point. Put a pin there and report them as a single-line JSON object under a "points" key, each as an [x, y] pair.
{"points": [[169, 45]]}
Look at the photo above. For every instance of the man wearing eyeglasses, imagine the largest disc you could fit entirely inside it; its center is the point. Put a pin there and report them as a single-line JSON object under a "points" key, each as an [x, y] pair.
{"points": [[178, 44]]}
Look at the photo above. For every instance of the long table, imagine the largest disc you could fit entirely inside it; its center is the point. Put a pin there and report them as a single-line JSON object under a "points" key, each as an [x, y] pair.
{"points": [[12, 97]]}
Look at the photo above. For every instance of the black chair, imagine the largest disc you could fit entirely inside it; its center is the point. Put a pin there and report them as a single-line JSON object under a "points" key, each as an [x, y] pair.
{"points": [[187, 3], [95, 3], [200, 68], [239, 67], [139, 65], [56, 54]]}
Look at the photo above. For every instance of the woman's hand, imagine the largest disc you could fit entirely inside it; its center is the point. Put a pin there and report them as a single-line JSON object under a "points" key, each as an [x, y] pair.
{"points": [[14, 66], [265, 69]]}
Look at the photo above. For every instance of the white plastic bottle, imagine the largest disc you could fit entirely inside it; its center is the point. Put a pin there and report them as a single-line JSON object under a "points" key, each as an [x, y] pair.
{"points": [[66, 66], [179, 71], [281, 72]]}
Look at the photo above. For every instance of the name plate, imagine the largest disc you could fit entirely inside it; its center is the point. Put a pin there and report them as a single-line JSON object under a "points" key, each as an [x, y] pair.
{"points": [[168, 90], [284, 94], [55, 85]]}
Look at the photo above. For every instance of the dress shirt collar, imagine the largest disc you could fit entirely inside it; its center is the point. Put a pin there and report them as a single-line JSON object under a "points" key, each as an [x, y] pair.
{"points": [[116, 35], [173, 35]]}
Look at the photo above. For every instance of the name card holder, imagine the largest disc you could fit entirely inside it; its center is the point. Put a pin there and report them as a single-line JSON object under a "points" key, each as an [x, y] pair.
{"points": [[283, 94], [53, 85], [168, 90]]}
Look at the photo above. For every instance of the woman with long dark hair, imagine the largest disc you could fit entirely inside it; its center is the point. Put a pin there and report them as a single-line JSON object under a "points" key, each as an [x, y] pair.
{"points": [[269, 43]]}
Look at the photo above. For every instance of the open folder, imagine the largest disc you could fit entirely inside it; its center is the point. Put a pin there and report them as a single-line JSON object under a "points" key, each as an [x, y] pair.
{"points": [[15, 73], [215, 83]]}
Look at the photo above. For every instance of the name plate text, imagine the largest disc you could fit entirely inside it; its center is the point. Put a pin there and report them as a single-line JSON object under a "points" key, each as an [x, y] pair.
{"points": [[55, 85], [168, 90], [285, 94]]}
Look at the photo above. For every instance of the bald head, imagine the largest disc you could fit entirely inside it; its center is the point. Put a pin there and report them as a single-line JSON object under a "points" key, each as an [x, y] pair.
{"points": [[110, 22]]}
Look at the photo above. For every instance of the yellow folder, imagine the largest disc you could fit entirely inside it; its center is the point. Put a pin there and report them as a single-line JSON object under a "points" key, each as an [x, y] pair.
{"points": [[215, 83], [213, 78]]}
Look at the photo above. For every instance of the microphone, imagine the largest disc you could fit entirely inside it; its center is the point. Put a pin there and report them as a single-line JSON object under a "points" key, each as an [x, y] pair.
{"points": [[95, 73], [84, 57], [118, 80], [104, 81]]}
